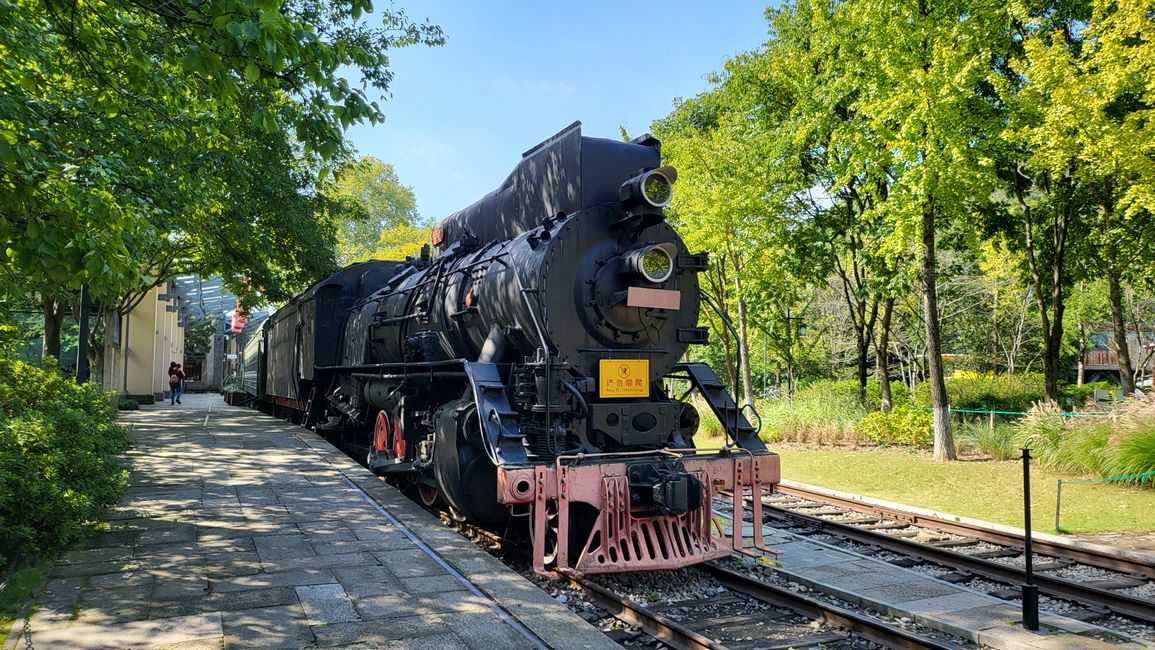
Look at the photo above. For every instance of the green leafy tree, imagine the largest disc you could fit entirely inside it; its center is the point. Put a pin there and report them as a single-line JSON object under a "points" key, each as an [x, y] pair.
{"points": [[1083, 97], [400, 242], [385, 203], [123, 127]]}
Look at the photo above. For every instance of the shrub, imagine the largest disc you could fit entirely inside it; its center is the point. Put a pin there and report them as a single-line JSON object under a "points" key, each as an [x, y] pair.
{"points": [[987, 391], [1081, 395], [128, 405], [902, 426], [58, 457]]}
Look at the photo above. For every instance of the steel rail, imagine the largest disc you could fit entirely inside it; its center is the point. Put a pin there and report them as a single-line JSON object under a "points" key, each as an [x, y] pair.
{"points": [[1115, 602], [653, 623], [863, 625], [1092, 557]]}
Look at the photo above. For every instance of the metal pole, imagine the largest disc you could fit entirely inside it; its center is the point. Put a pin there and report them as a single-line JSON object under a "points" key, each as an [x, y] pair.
{"points": [[82, 345], [1058, 502], [1030, 589], [789, 356], [765, 387]]}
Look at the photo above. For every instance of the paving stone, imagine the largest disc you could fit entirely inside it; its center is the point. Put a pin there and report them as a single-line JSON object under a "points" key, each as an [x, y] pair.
{"points": [[118, 580], [56, 615], [375, 531], [401, 604], [947, 603], [183, 533], [263, 580], [283, 547], [915, 589], [185, 586], [96, 568], [433, 584], [185, 630], [107, 606], [227, 565], [487, 631], [999, 614], [326, 604], [367, 581], [230, 545], [271, 628], [375, 634], [410, 563], [325, 560], [96, 556], [446, 641], [883, 575]]}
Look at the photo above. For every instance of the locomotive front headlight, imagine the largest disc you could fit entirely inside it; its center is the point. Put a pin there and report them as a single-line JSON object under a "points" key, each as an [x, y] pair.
{"points": [[650, 190], [654, 263]]}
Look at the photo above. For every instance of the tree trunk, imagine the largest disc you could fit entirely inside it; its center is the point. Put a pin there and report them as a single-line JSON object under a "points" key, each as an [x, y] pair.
{"points": [[882, 356], [1119, 322], [743, 346], [53, 322], [1082, 353], [1052, 323], [943, 440]]}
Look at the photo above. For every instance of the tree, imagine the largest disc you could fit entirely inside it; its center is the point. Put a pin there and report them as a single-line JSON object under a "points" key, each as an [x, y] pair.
{"points": [[1081, 95], [401, 241], [385, 204], [122, 126], [724, 204]]}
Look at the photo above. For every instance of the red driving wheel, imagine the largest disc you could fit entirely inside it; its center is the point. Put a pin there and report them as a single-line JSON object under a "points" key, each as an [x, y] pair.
{"points": [[381, 434]]}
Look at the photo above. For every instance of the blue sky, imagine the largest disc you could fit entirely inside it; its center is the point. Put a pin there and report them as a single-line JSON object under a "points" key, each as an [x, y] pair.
{"points": [[512, 74]]}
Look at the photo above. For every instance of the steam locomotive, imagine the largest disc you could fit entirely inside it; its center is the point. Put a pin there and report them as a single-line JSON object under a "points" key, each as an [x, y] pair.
{"points": [[527, 366]]}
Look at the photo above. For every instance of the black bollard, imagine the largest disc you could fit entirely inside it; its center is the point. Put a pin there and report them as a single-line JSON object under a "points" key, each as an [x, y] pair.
{"points": [[1030, 589]]}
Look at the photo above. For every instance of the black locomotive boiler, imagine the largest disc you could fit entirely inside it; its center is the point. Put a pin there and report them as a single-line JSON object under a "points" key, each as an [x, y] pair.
{"points": [[524, 366]]}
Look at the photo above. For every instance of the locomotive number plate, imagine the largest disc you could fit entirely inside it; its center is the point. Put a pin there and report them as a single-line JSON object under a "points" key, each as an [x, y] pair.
{"points": [[624, 378]]}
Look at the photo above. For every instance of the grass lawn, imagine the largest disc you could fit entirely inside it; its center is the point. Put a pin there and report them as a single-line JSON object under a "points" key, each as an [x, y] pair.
{"points": [[987, 490]]}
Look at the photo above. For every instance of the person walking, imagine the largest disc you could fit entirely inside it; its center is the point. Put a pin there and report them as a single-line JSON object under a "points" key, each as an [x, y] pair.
{"points": [[175, 376]]}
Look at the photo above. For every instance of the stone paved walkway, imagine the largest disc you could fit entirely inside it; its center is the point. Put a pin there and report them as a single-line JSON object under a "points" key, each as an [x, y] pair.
{"points": [[240, 531]]}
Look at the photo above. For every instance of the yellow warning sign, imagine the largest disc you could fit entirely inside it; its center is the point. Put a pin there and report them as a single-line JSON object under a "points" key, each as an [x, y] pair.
{"points": [[624, 378]]}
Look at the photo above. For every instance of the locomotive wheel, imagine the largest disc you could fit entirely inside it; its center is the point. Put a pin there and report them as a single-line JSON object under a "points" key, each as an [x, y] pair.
{"points": [[551, 520], [428, 494], [381, 430]]}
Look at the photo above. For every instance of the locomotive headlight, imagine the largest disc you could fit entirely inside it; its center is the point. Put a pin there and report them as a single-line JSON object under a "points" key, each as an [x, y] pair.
{"points": [[650, 190], [654, 263]]}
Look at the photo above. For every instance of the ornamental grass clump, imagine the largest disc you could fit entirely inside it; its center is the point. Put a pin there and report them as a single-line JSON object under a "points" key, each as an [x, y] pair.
{"points": [[59, 465], [998, 442], [1134, 447], [1100, 446], [819, 414]]}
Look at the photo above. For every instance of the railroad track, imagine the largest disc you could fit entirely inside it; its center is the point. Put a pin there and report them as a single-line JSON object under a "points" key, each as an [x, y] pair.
{"points": [[727, 621], [894, 530]]}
